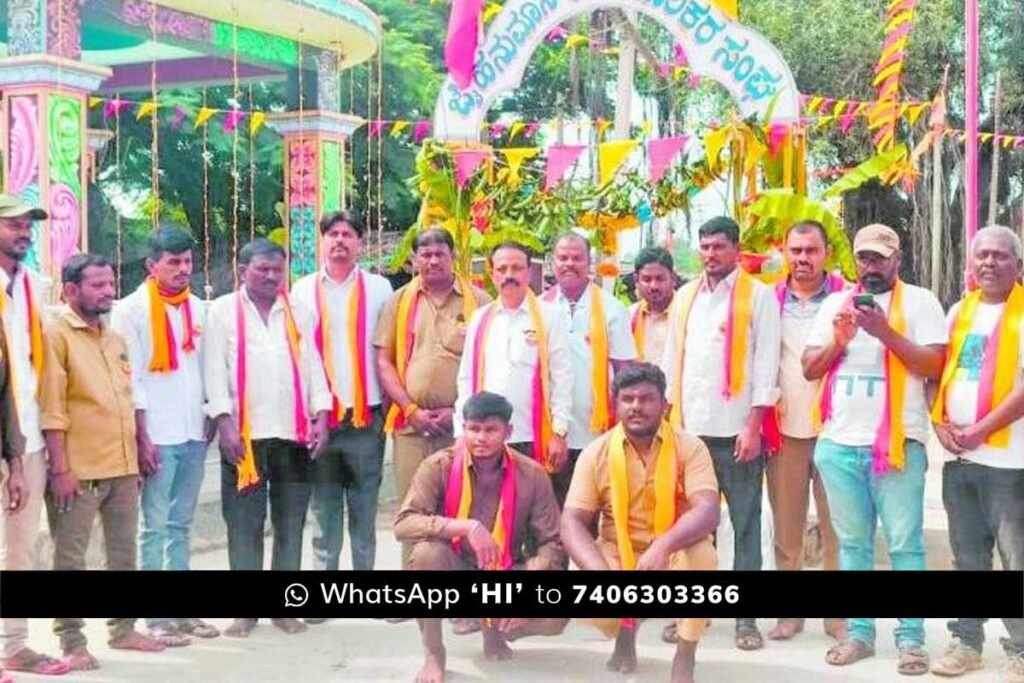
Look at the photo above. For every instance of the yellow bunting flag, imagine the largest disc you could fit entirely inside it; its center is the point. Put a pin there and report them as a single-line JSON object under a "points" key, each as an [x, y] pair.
{"points": [[729, 8], [575, 40], [814, 104], [516, 129], [1007, 141], [985, 137], [515, 156], [840, 107], [678, 72], [397, 127], [492, 10], [602, 127], [915, 113], [145, 109], [93, 101], [610, 157], [256, 121], [204, 115]]}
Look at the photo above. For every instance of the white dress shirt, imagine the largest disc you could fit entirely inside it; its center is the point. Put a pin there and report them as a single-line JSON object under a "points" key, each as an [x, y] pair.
{"points": [[19, 344], [655, 334], [621, 347], [510, 356], [378, 292], [705, 411], [173, 401], [269, 365]]}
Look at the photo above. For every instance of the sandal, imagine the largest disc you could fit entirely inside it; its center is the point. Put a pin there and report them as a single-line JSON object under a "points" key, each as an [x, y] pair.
{"points": [[913, 661], [849, 651], [29, 661], [198, 628], [749, 638], [168, 635]]}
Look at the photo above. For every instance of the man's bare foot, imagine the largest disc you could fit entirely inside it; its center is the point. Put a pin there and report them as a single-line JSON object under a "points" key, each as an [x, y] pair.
{"points": [[240, 628], [289, 625], [133, 640], [495, 647], [623, 658], [433, 667], [684, 662], [786, 629], [80, 659]]}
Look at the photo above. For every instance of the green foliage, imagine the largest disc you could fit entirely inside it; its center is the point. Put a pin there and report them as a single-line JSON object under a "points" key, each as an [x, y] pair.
{"points": [[869, 170]]}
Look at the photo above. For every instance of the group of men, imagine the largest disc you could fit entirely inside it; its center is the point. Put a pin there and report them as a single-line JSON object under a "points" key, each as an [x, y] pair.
{"points": [[527, 430]]}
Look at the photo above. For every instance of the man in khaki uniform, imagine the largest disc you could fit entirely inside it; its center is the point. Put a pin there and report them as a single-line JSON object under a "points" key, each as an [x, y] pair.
{"points": [[428, 319]]}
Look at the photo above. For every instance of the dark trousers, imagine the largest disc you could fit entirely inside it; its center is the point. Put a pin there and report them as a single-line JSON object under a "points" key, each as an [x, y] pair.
{"points": [[284, 480], [740, 483], [561, 479], [348, 471], [986, 509]]}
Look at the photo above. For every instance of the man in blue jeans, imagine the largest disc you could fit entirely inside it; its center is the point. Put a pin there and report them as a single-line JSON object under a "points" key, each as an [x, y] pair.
{"points": [[874, 348], [161, 322]]}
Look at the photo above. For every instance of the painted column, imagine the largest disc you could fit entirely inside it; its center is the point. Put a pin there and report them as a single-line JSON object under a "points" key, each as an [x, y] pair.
{"points": [[314, 168]]}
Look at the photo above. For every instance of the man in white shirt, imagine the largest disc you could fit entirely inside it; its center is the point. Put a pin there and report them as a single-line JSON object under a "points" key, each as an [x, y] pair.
{"points": [[978, 421], [162, 323], [723, 351], [19, 529], [655, 278], [347, 302], [871, 347], [269, 398], [582, 303], [505, 344]]}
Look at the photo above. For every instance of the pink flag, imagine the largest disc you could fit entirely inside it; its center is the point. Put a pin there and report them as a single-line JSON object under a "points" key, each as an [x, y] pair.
{"points": [[560, 159], [232, 119], [114, 107], [694, 80], [847, 119], [179, 117], [664, 70], [679, 53], [556, 34], [375, 127], [661, 152], [467, 161], [463, 37], [776, 137], [421, 131], [497, 130], [531, 129]]}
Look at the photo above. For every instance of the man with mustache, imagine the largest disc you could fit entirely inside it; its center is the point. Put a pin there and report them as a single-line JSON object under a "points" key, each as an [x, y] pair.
{"points": [[789, 432], [655, 279], [653, 488], [88, 421], [419, 340], [723, 348], [518, 347], [600, 343], [873, 349], [348, 302], [481, 505], [977, 415]]}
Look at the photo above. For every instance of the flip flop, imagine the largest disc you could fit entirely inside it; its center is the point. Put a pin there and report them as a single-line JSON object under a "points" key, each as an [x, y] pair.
{"points": [[848, 651], [749, 638], [169, 636], [28, 661], [913, 661], [198, 628]]}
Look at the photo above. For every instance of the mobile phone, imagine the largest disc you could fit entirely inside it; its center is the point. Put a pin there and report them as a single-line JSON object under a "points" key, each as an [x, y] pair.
{"points": [[864, 301]]}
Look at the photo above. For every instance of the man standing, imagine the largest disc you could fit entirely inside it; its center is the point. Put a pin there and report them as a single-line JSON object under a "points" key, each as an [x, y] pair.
{"points": [[873, 349], [269, 399], [347, 302], [655, 278], [789, 433], [654, 488], [723, 347], [600, 345], [419, 340], [23, 327], [519, 349], [977, 415], [481, 505], [162, 322], [88, 420]]}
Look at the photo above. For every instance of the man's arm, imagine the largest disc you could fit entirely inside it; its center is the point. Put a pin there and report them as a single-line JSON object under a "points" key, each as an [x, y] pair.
{"points": [[578, 542], [13, 445], [54, 420], [122, 324], [419, 518], [699, 521], [621, 344]]}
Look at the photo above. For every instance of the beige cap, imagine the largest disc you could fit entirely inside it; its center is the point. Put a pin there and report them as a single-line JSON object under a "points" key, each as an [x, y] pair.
{"points": [[13, 207], [878, 238]]}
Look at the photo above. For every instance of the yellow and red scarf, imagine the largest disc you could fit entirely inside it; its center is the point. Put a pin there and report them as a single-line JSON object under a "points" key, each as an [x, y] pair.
{"points": [[458, 499], [737, 332], [638, 325], [887, 450], [999, 365], [601, 418], [35, 331], [405, 336], [248, 474], [541, 414], [165, 348], [357, 327]]}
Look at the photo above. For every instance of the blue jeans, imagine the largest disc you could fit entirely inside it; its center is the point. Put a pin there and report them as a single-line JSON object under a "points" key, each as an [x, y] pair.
{"points": [[857, 499], [168, 505]]}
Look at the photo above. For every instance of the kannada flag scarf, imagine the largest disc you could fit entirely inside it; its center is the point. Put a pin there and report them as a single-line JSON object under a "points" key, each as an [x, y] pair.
{"points": [[458, 499], [771, 424], [601, 418], [35, 333], [405, 336], [999, 366], [357, 325], [638, 325], [248, 475], [887, 451], [540, 389], [165, 348], [737, 332]]}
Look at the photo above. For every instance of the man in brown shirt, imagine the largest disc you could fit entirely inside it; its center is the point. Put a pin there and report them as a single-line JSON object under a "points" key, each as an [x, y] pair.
{"points": [[454, 529], [88, 421], [669, 480], [433, 316]]}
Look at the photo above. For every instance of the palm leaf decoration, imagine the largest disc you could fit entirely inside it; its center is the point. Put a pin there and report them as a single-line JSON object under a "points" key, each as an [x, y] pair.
{"points": [[873, 168]]}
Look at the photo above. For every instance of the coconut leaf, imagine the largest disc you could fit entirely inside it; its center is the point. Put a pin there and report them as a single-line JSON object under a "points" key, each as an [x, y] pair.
{"points": [[869, 170]]}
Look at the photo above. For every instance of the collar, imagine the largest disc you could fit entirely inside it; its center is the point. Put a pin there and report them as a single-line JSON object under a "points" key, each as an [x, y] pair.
{"points": [[523, 307], [729, 280], [245, 297], [72, 318], [7, 280], [819, 295], [456, 286], [502, 464], [646, 309], [325, 276]]}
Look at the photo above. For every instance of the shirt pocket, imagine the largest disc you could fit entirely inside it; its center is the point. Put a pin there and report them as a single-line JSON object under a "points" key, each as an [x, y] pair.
{"points": [[523, 349], [451, 335]]}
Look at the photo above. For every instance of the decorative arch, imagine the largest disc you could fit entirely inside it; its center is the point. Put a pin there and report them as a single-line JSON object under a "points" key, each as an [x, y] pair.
{"points": [[717, 47]]}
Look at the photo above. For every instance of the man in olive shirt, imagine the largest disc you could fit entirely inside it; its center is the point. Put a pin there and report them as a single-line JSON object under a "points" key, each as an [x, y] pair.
{"points": [[88, 421], [429, 317]]}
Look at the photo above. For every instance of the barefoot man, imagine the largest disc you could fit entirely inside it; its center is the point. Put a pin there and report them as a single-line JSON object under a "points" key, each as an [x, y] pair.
{"points": [[656, 492], [481, 505]]}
